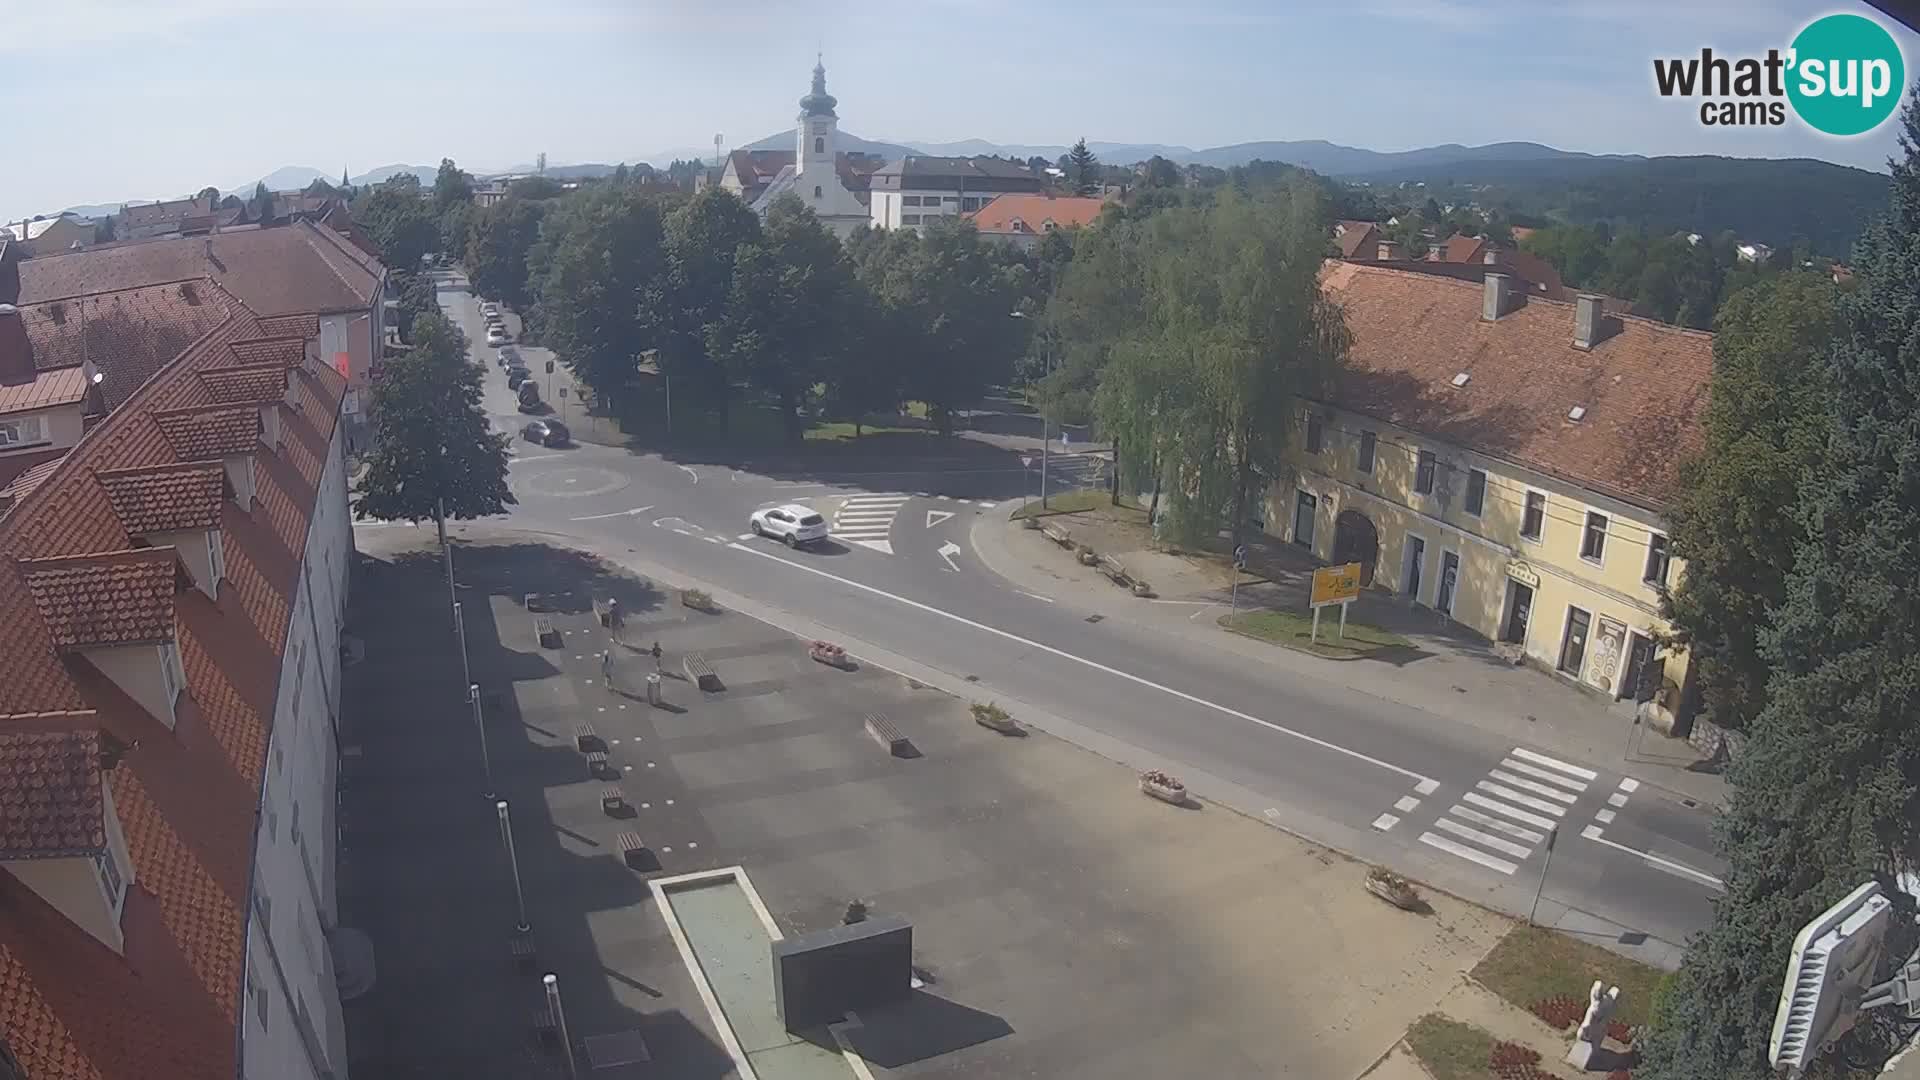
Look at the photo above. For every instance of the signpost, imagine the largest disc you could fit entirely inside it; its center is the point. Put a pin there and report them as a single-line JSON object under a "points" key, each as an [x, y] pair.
{"points": [[1333, 585], [1239, 564]]}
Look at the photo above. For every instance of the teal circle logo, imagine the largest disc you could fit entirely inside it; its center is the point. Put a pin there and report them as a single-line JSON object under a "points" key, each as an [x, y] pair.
{"points": [[1846, 74]]}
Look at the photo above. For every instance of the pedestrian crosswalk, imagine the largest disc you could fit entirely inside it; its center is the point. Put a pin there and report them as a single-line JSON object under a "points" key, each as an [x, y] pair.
{"points": [[1068, 471], [1509, 812], [867, 520]]}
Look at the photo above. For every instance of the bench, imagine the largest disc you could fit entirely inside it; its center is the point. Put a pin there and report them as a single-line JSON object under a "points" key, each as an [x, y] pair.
{"points": [[520, 948], [633, 852], [543, 1026], [587, 739], [1114, 569], [532, 601], [700, 673], [597, 766], [544, 632], [613, 802], [1056, 534], [888, 735]]}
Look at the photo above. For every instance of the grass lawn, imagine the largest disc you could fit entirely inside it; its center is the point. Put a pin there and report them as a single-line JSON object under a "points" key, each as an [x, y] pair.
{"points": [[1070, 502], [1450, 1049], [1531, 964], [1294, 630], [842, 431]]}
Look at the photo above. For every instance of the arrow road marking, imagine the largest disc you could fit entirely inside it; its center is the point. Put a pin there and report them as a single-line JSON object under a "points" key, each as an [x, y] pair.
{"points": [[935, 517], [617, 513], [690, 472], [947, 551]]}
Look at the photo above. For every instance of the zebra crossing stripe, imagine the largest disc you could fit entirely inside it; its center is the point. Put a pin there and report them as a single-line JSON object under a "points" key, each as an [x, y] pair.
{"points": [[1515, 813], [1555, 763], [1524, 784], [1452, 847]]}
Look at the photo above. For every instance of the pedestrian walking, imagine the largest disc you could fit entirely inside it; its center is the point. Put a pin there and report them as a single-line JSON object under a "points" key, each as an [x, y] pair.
{"points": [[606, 667], [656, 657]]}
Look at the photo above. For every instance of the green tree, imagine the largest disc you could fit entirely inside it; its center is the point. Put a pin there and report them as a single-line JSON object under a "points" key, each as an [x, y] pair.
{"points": [[1431, 209], [1731, 522], [400, 224], [499, 238], [209, 195], [418, 299], [1824, 795], [784, 323], [260, 207], [1083, 169], [451, 187], [704, 240], [320, 187], [432, 456], [682, 173], [1162, 173], [600, 255]]}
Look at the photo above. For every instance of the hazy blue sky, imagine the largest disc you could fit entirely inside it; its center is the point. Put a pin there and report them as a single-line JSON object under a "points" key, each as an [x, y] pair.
{"points": [[105, 100]]}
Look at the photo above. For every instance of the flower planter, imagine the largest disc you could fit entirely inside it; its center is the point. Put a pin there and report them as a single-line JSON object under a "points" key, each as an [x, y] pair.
{"points": [[994, 718], [697, 600], [1394, 889], [1030, 523], [826, 652], [1141, 588], [1161, 786], [1086, 557]]}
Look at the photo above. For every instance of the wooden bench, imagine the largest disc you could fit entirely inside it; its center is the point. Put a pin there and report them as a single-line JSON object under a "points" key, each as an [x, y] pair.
{"points": [[633, 852], [520, 948], [544, 632], [543, 1026], [700, 673], [1115, 570], [888, 735], [587, 739], [597, 766], [613, 802], [1056, 534]]}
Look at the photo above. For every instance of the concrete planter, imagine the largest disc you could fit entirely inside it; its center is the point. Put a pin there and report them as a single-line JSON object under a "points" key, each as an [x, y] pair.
{"points": [[994, 718], [1141, 588], [826, 652], [1394, 889], [1086, 556], [1161, 786]]}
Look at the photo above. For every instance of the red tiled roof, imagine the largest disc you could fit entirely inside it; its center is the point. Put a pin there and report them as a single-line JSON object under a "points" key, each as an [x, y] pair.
{"points": [[162, 212], [165, 498], [289, 269], [251, 383], [50, 798], [1461, 248], [127, 333], [44, 390], [1022, 213], [167, 1006], [1644, 387], [288, 351], [201, 432], [302, 326], [30, 477], [757, 168], [1360, 240], [116, 598]]}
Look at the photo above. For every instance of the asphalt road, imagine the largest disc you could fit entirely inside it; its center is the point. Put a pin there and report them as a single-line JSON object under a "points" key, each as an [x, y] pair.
{"points": [[1445, 802]]}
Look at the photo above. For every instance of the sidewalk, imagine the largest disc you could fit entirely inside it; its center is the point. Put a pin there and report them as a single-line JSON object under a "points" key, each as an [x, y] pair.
{"points": [[1449, 672]]}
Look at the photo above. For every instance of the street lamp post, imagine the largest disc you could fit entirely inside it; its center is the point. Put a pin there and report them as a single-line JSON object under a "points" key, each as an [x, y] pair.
{"points": [[552, 984], [513, 864], [1046, 369], [479, 725]]}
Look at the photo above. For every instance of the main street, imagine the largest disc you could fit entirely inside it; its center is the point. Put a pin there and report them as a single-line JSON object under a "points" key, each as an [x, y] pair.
{"points": [[1453, 804]]}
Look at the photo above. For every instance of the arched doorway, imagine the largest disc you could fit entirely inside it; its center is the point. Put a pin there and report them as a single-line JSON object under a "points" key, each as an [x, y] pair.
{"points": [[1356, 540]]}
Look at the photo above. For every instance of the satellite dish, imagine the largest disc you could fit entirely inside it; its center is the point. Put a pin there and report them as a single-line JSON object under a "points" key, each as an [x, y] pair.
{"points": [[99, 377]]}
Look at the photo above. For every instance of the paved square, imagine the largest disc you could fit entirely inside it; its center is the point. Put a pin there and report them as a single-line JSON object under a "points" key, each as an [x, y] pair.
{"points": [[1064, 925]]}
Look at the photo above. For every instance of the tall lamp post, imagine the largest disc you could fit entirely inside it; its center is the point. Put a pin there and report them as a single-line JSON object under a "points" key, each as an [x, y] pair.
{"points": [[1046, 369]]}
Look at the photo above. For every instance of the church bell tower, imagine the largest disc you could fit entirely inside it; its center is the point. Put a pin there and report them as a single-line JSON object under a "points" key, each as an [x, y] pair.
{"points": [[818, 126]]}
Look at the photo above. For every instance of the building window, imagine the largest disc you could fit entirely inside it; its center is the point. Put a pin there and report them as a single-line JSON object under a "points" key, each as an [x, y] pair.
{"points": [[1368, 443], [110, 875], [217, 554], [1316, 437], [1573, 645], [819, 145], [1593, 542], [1423, 473], [971, 203], [1659, 558], [909, 219], [953, 200], [1304, 507], [1476, 491], [1535, 517], [909, 200], [816, 191], [20, 432], [172, 677]]}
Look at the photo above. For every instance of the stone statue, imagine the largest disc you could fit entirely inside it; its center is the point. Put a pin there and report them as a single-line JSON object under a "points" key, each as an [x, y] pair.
{"points": [[1593, 1027]]}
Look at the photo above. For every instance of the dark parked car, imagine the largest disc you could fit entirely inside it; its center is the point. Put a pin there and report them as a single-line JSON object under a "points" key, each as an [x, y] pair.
{"points": [[516, 376], [546, 433], [530, 397], [509, 357]]}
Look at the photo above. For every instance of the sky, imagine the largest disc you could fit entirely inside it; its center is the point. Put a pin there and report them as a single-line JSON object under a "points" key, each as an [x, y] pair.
{"points": [[112, 100]]}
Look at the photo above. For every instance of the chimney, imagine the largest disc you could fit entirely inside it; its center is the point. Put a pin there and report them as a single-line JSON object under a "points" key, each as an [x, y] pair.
{"points": [[16, 352], [1498, 297], [1589, 315], [1389, 249]]}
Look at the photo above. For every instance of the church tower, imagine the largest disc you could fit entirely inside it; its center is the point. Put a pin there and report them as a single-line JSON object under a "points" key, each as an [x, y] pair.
{"points": [[813, 157]]}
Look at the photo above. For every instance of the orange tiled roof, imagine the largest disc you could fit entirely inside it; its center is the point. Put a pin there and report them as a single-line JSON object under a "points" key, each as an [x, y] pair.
{"points": [[1644, 387], [44, 390], [246, 382], [50, 799], [1015, 212], [199, 432], [165, 498], [287, 351], [117, 598], [168, 1006], [300, 326], [126, 333], [31, 476], [1360, 240]]}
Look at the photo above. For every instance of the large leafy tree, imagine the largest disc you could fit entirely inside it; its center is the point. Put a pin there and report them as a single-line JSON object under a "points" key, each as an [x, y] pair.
{"points": [[704, 239], [499, 239], [1733, 522], [432, 456], [451, 187], [260, 206], [401, 225], [598, 257], [786, 319], [1824, 796]]}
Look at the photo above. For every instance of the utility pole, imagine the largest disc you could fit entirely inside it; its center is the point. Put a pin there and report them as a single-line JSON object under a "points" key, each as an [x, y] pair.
{"points": [[479, 725], [1552, 835], [513, 864], [559, 1015]]}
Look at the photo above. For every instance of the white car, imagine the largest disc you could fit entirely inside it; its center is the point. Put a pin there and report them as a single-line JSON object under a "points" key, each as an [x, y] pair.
{"points": [[496, 336], [489, 308], [790, 524]]}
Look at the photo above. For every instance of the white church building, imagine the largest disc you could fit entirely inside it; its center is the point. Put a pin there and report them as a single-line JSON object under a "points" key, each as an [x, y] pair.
{"points": [[832, 184]]}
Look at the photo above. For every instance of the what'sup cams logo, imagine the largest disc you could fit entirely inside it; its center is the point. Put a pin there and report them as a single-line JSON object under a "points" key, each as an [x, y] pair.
{"points": [[1843, 75]]}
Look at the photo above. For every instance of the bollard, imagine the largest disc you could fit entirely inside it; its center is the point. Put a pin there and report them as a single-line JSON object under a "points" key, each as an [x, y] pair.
{"points": [[653, 689]]}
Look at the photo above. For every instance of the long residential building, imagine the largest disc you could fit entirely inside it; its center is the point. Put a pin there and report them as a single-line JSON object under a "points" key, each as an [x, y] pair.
{"points": [[904, 194], [1504, 460], [174, 594]]}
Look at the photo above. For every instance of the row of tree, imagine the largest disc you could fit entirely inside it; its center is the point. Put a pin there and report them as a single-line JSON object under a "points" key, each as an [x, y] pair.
{"points": [[1668, 276], [1798, 525]]}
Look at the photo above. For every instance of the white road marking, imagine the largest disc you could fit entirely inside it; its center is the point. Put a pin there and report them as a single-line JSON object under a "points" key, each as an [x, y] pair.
{"points": [[1604, 817], [881, 546], [690, 472], [935, 517], [1593, 833], [1555, 763], [1467, 853], [1486, 840], [1426, 787], [1499, 807], [1036, 596], [947, 551], [512, 458], [1629, 785], [1616, 799], [1406, 804], [744, 536], [1494, 823], [617, 513], [1513, 796], [1538, 789], [1385, 822], [711, 539], [1097, 666], [1543, 774]]}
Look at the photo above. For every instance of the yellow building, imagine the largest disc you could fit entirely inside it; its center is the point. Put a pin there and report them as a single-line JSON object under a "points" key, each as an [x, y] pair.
{"points": [[1502, 460]]}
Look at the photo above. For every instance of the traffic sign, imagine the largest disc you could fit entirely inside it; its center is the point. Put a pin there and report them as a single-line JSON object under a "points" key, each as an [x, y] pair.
{"points": [[1026, 461], [1335, 584], [549, 367], [563, 393], [1240, 557]]}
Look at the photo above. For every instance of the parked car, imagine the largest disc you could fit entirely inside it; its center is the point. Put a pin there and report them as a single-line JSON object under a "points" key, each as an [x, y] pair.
{"points": [[497, 336], [489, 308], [530, 397], [791, 525], [546, 433], [516, 376], [509, 357]]}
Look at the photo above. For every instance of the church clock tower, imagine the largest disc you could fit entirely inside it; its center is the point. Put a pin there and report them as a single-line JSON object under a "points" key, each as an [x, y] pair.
{"points": [[814, 153]]}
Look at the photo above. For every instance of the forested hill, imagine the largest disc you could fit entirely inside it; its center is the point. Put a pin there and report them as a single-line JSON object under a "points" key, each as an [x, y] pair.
{"points": [[1775, 202]]}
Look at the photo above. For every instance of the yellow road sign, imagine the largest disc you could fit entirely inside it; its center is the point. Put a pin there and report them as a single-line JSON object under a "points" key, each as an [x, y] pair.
{"points": [[1335, 584]]}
